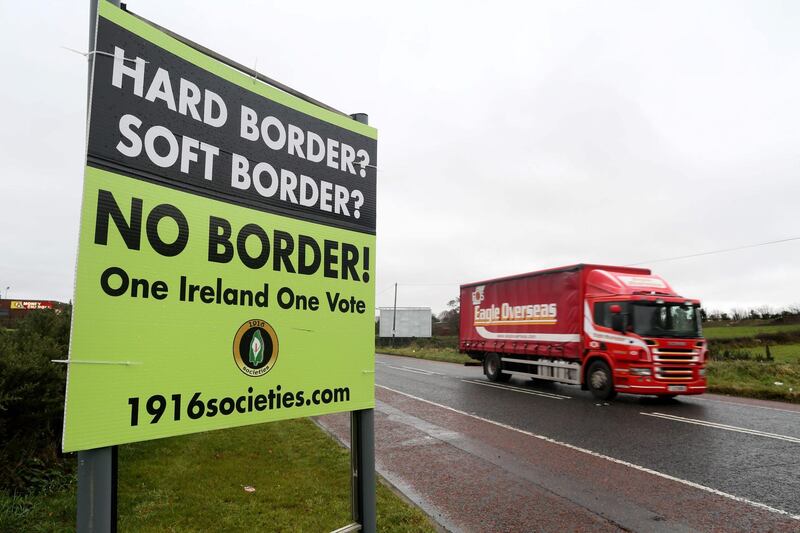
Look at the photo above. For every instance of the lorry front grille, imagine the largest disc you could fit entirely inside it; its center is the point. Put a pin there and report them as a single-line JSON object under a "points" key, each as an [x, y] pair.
{"points": [[675, 356], [674, 373]]}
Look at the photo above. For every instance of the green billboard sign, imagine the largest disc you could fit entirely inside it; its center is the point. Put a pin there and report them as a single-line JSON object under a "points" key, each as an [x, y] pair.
{"points": [[227, 247]]}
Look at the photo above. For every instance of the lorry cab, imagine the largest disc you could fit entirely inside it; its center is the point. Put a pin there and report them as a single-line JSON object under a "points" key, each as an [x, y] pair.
{"points": [[642, 337]]}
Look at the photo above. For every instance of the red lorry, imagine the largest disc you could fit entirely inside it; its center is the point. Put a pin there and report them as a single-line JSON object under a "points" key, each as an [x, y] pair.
{"points": [[608, 329]]}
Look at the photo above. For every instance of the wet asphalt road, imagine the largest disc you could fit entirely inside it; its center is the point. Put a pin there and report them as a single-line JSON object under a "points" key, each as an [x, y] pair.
{"points": [[749, 449]]}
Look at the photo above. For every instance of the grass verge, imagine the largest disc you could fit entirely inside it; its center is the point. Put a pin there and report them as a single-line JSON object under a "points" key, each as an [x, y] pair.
{"points": [[448, 355], [196, 483], [765, 380]]}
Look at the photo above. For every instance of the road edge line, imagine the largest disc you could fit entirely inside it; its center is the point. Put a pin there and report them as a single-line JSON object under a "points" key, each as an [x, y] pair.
{"points": [[549, 395]]}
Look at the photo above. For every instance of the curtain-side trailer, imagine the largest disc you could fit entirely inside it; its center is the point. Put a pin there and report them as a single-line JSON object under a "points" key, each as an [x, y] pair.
{"points": [[608, 329]]}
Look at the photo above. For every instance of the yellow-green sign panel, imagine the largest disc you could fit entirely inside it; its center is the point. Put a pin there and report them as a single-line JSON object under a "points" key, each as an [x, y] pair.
{"points": [[226, 258]]}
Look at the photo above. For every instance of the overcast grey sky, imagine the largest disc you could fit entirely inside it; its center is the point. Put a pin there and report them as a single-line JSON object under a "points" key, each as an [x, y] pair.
{"points": [[513, 136]]}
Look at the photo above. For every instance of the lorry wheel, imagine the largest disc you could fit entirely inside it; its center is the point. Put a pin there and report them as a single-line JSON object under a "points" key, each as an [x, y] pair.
{"points": [[492, 367], [600, 381]]}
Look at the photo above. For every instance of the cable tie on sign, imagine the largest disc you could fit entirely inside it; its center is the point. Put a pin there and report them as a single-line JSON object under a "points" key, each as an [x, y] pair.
{"points": [[367, 371], [99, 52], [80, 362]]}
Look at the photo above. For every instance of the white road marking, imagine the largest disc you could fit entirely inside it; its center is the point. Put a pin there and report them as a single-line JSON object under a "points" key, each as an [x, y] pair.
{"points": [[726, 427], [740, 404], [409, 369], [423, 370], [601, 456], [550, 395]]}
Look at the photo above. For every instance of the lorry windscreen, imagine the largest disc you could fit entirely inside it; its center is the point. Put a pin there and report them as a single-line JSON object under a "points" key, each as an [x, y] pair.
{"points": [[665, 320]]}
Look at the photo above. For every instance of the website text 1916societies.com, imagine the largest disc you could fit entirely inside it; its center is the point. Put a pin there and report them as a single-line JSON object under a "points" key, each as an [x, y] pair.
{"points": [[198, 406]]}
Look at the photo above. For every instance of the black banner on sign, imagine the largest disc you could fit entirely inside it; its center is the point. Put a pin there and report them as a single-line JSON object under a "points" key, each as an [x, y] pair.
{"points": [[158, 117]]}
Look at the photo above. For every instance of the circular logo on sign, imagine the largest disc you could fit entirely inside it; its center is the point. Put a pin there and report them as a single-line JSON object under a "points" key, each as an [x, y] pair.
{"points": [[255, 348]]}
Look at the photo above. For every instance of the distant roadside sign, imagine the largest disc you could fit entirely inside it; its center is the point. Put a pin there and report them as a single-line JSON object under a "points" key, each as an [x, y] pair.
{"points": [[30, 305], [12, 311], [227, 247], [405, 322]]}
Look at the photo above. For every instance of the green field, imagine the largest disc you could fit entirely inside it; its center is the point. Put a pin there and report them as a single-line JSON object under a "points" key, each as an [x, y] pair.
{"points": [[786, 353], [731, 332], [196, 483]]}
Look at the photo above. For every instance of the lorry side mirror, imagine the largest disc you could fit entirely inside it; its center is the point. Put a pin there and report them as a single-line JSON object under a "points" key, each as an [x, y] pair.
{"points": [[618, 320]]}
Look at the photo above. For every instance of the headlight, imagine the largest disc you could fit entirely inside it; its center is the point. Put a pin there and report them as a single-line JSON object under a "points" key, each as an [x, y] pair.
{"points": [[701, 372], [640, 371]]}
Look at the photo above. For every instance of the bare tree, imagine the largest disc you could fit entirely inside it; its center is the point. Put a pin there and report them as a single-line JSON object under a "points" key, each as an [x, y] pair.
{"points": [[451, 316], [765, 311], [739, 313]]}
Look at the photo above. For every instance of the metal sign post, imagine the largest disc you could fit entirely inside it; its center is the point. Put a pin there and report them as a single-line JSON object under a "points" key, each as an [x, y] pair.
{"points": [[97, 490], [362, 461], [362, 452], [97, 469]]}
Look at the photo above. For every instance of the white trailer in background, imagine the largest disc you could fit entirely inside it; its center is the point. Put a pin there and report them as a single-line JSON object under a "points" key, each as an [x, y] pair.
{"points": [[405, 322]]}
